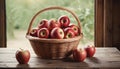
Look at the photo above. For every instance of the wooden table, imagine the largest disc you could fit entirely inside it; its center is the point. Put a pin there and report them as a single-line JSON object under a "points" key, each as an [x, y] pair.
{"points": [[104, 58]]}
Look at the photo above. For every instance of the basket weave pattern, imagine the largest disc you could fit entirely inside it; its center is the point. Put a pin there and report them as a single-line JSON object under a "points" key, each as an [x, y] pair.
{"points": [[53, 48]]}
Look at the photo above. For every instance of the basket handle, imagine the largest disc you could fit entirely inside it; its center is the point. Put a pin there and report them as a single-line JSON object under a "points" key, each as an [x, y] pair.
{"points": [[52, 8]]}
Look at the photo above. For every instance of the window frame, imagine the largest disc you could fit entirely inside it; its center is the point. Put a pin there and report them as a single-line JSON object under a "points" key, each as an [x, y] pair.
{"points": [[99, 13], [104, 23], [2, 24]]}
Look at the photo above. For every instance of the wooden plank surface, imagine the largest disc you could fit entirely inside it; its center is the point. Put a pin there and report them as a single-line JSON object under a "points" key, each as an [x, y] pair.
{"points": [[104, 58]]}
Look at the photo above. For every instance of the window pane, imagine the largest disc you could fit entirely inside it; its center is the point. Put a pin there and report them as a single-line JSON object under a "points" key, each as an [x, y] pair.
{"points": [[20, 12]]}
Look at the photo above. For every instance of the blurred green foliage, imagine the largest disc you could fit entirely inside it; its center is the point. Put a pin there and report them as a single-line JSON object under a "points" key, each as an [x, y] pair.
{"points": [[20, 12]]}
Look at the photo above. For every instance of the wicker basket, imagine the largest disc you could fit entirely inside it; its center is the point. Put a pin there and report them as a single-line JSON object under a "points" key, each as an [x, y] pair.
{"points": [[53, 48]]}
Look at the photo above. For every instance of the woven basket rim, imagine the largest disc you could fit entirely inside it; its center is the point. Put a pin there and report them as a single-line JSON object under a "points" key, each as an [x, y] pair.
{"points": [[54, 40]]}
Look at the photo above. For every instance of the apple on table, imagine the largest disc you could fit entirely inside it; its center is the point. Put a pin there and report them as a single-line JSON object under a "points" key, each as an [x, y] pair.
{"points": [[79, 54], [22, 56], [90, 49]]}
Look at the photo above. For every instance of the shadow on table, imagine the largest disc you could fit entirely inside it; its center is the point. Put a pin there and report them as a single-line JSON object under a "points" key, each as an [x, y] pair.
{"points": [[22, 65], [93, 59], [72, 63]]}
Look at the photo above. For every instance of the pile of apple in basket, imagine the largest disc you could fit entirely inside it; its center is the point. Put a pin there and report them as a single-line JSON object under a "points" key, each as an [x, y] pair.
{"points": [[60, 28]]}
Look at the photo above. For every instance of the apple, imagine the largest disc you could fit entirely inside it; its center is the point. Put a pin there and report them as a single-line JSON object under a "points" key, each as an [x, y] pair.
{"points": [[90, 50], [33, 32], [76, 29], [57, 33], [43, 33], [69, 33], [43, 24], [52, 23], [79, 54], [22, 56], [64, 20]]}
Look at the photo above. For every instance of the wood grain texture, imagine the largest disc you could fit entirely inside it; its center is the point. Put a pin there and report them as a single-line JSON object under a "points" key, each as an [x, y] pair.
{"points": [[104, 58], [116, 24], [108, 24], [99, 20], [112, 23], [2, 24]]}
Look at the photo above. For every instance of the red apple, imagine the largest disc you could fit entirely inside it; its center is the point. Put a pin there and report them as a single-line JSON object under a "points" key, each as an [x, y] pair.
{"points": [[75, 28], [22, 56], [69, 33], [57, 33], [90, 50], [64, 21], [79, 54], [43, 33], [53, 23], [33, 32], [43, 24]]}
